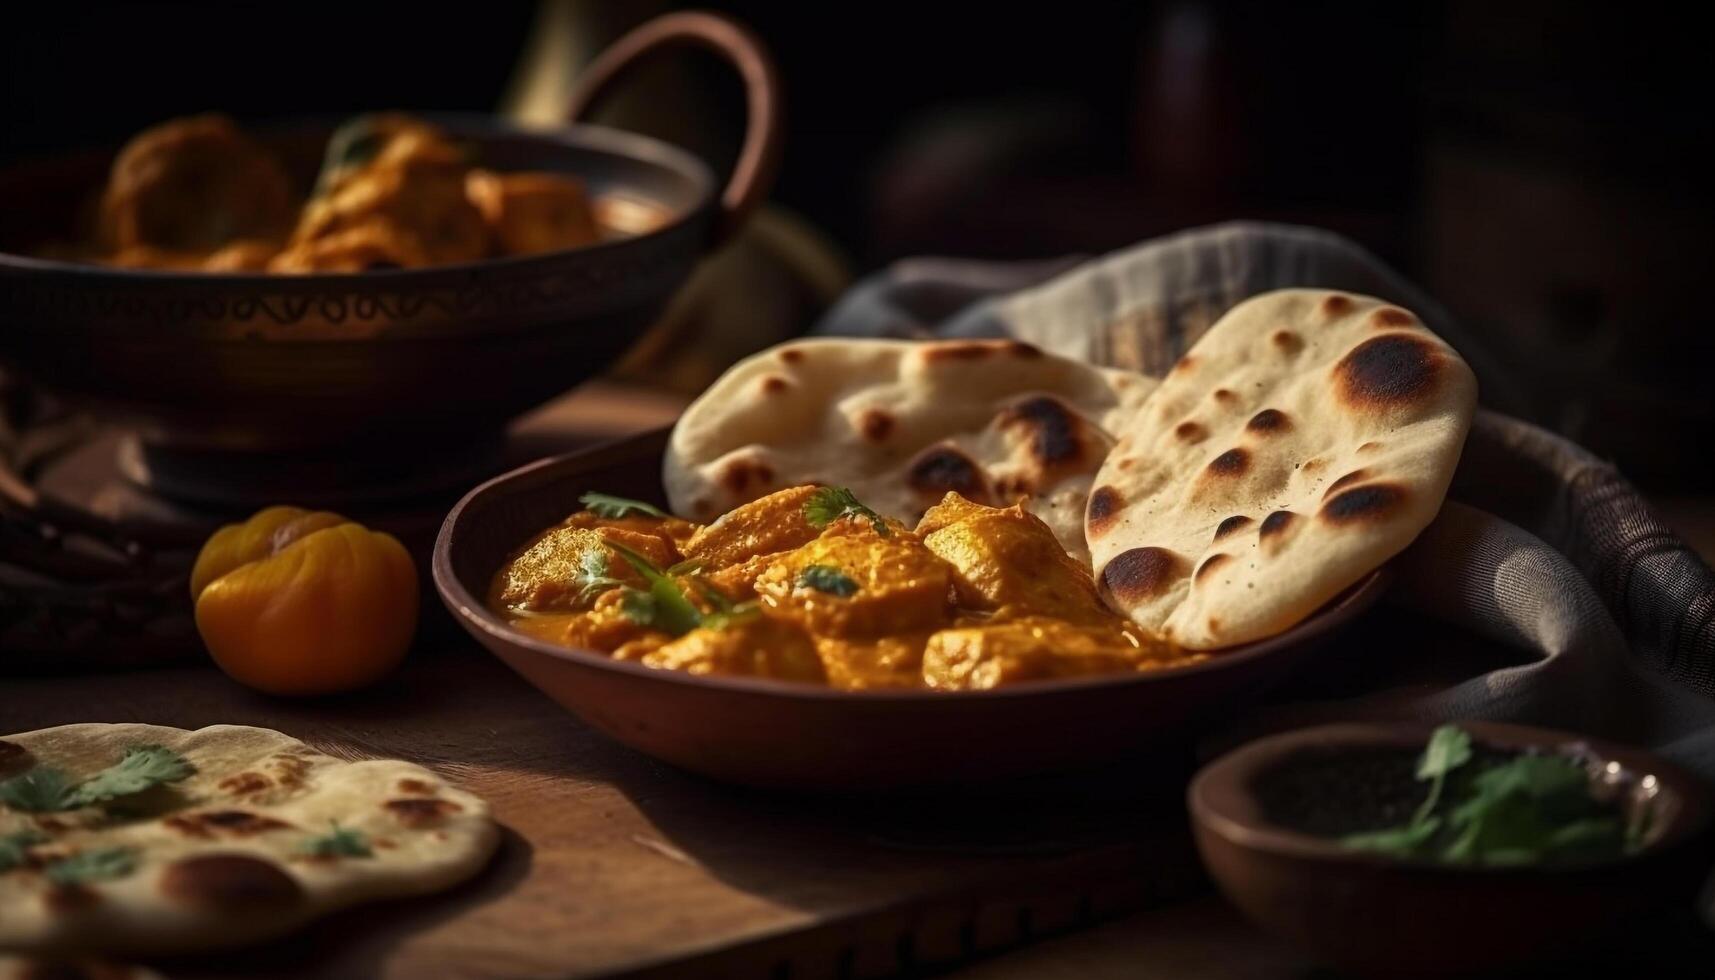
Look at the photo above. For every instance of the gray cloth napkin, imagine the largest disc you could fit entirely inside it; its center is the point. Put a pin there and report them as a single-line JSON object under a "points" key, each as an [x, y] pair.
{"points": [[1542, 547]]}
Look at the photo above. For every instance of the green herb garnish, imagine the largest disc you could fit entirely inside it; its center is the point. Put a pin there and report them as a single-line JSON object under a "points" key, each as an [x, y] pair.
{"points": [[689, 566], [14, 847], [593, 578], [726, 612], [45, 789], [609, 506], [103, 864], [1449, 748], [829, 504], [827, 578], [40, 790], [142, 767], [1526, 810], [338, 842], [666, 607]]}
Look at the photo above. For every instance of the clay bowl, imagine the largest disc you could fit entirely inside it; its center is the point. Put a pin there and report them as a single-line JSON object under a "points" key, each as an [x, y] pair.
{"points": [[769, 733], [1378, 915], [211, 368]]}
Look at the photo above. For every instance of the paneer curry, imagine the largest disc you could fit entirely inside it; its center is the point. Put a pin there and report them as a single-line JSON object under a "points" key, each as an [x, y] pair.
{"points": [[393, 192], [807, 584]]}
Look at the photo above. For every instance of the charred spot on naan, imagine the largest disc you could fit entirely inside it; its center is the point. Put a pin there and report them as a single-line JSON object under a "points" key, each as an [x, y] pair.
{"points": [[1391, 316], [1366, 504], [1210, 565], [237, 883], [976, 350], [739, 475], [1286, 341], [773, 384], [1224, 396], [1141, 573], [70, 898], [1183, 365], [1271, 534], [1336, 305], [1057, 436], [245, 783], [1230, 525], [1190, 432], [1389, 371], [875, 424], [14, 758], [941, 469], [1356, 476], [1268, 422], [1103, 510], [421, 811], [792, 355], [232, 823], [1232, 463], [415, 787]]}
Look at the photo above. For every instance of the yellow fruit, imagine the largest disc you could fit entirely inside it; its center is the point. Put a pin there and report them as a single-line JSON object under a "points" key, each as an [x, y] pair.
{"points": [[304, 602]]}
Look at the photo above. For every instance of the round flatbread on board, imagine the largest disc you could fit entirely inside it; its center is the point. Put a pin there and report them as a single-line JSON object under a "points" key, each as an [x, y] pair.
{"points": [[1304, 440], [900, 423], [27, 968], [144, 839]]}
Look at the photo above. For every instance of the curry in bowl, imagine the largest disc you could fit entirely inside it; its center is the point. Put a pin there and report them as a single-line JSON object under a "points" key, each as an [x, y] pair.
{"points": [[807, 584], [393, 192]]}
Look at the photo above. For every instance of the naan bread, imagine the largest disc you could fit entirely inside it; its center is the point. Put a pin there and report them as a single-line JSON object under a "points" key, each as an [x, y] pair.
{"points": [[1304, 440], [224, 856], [23, 968], [901, 423]]}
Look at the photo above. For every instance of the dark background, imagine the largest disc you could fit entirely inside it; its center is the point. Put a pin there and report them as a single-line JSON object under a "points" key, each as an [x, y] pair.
{"points": [[1540, 167]]}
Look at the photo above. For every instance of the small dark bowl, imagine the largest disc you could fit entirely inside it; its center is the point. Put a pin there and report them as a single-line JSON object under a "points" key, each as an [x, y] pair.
{"points": [[1373, 914], [770, 733], [342, 366]]}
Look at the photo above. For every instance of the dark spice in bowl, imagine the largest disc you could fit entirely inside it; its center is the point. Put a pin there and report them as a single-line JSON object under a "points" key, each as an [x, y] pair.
{"points": [[1328, 792]]}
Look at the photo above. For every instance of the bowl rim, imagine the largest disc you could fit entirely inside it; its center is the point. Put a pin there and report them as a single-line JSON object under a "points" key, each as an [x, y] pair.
{"points": [[476, 618], [1222, 803], [463, 125]]}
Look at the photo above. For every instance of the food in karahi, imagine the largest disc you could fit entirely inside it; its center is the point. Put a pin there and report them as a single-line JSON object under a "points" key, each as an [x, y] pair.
{"points": [[394, 192]]}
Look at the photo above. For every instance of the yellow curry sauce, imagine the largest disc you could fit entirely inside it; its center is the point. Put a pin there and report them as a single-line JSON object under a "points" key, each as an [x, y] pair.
{"points": [[974, 597]]}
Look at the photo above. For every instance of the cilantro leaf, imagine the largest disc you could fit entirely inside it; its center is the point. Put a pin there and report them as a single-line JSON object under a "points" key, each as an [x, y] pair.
{"points": [[143, 766], [338, 842], [689, 566], [1399, 841], [827, 578], [667, 609], [102, 864], [40, 790], [593, 578], [1449, 748], [829, 504], [14, 847], [613, 508]]}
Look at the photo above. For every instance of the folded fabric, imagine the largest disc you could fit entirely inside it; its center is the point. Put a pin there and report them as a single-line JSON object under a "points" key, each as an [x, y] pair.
{"points": [[1542, 546]]}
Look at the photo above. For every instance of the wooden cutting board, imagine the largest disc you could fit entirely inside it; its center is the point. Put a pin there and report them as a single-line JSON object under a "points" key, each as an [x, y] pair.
{"points": [[613, 864]]}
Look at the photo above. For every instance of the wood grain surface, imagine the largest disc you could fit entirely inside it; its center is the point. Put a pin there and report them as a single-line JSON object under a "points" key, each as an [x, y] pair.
{"points": [[612, 864]]}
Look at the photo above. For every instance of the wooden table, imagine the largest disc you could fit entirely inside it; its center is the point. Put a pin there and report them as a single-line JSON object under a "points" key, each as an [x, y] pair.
{"points": [[613, 864]]}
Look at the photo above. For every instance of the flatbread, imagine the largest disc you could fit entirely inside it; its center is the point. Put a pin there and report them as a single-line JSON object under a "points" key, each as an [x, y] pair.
{"points": [[221, 857], [25, 968], [901, 423], [1307, 438]]}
